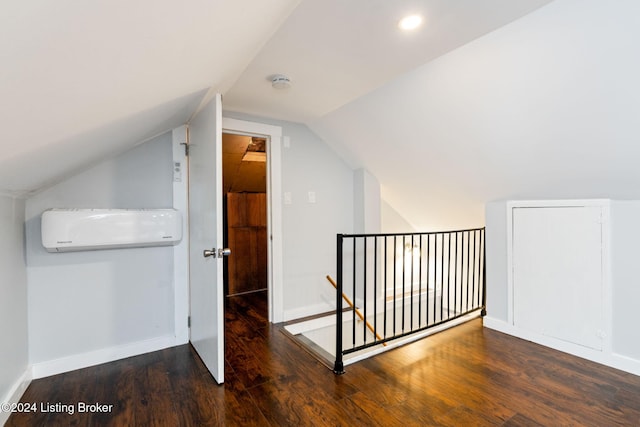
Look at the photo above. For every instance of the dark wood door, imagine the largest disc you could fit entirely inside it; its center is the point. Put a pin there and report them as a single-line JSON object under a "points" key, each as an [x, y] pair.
{"points": [[247, 239]]}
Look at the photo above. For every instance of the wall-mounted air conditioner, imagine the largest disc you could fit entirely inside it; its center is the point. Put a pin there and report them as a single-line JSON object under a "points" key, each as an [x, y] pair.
{"points": [[65, 230]]}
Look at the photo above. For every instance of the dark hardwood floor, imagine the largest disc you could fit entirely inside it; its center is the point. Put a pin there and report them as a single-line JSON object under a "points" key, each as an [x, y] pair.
{"points": [[466, 376]]}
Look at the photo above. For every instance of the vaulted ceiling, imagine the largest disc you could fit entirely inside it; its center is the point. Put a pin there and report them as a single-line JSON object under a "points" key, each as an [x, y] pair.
{"points": [[335, 51], [488, 100], [80, 80], [546, 107]]}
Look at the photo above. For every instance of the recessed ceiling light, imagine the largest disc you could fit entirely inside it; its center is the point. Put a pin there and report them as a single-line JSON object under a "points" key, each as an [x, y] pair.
{"points": [[410, 22]]}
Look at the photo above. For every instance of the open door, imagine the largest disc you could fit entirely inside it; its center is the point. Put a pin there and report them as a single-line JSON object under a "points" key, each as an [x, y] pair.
{"points": [[205, 234]]}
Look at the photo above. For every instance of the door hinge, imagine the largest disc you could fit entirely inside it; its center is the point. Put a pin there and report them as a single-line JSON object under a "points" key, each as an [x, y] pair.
{"points": [[189, 321], [186, 148]]}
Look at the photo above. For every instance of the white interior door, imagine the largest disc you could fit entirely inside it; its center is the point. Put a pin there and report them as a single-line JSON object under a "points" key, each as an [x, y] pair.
{"points": [[557, 273], [205, 234]]}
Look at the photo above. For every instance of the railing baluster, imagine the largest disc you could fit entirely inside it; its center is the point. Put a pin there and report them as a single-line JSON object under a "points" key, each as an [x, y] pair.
{"points": [[353, 314], [461, 270], [338, 367], [455, 278], [428, 290], [448, 274], [404, 267], [395, 251], [473, 274], [478, 260], [480, 264], [479, 290], [484, 272], [441, 275], [375, 287], [364, 289], [420, 283], [435, 276], [386, 261], [411, 287], [468, 264]]}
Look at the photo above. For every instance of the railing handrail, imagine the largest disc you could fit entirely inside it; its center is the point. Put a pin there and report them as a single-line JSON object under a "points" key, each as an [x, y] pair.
{"points": [[469, 286], [353, 307], [414, 233]]}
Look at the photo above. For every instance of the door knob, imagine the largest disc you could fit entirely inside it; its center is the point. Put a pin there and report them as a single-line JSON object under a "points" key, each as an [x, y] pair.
{"points": [[219, 253]]}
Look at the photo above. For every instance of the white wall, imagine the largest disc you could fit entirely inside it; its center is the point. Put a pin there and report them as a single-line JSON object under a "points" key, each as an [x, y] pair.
{"points": [[625, 272], [367, 204], [97, 304], [309, 229], [13, 298], [546, 106], [496, 260], [392, 221]]}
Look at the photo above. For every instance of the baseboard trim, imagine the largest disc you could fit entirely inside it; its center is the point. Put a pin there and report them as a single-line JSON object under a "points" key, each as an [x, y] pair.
{"points": [[97, 357], [613, 360], [15, 393]]}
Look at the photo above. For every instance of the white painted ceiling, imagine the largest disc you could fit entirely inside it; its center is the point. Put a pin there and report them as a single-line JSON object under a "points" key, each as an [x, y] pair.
{"points": [[547, 107], [490, 100], [80, 80], [336, 51]]}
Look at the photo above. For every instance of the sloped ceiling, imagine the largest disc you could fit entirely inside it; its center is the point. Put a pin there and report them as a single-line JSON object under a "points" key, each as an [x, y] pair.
{"points": [[547, 107], [240, 174], [490, 100], [336, 51], [80, 80]]}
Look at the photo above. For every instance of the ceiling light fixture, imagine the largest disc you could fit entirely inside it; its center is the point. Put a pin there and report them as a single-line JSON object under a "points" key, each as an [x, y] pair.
{"points": [[254, 156], [280, 81], [410, 22]]}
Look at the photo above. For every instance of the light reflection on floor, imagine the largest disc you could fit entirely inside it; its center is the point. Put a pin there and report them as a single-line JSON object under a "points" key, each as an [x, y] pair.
{"points": [[318, 336]]}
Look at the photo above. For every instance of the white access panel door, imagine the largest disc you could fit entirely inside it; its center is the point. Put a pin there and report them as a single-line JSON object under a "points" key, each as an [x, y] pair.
{"points": [[205, 233], [557, 273]]}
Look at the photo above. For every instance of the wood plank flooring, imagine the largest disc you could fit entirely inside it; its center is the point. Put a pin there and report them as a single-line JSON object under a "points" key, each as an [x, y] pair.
{"points": [[467, 376]]}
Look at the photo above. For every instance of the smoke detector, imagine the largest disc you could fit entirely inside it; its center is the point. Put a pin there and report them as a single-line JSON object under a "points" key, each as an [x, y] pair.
{"points": [[280, 82]]}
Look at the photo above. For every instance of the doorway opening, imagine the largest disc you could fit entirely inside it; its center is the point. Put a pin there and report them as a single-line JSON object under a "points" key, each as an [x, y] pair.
{"points": [[244, 183], [272, 136]]}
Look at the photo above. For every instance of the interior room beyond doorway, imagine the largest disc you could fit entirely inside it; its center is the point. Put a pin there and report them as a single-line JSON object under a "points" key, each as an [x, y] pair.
{"points": [[244, 165]]}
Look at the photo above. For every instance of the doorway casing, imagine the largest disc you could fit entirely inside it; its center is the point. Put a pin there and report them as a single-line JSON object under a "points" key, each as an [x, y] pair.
{"points": [[274, 206]]}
